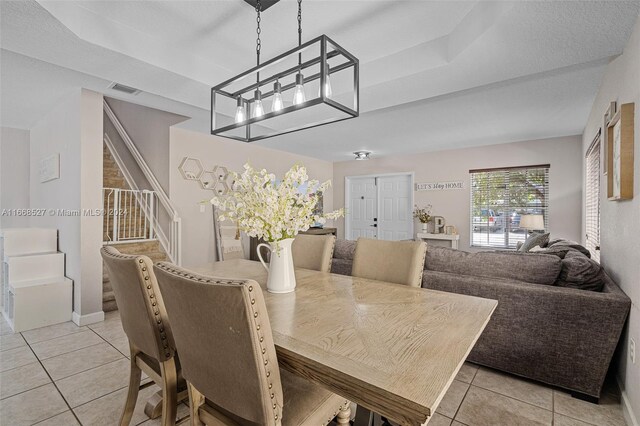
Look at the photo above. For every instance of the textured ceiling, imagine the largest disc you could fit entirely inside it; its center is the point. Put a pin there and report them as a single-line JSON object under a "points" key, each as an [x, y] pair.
{"points": [[434, 74]]}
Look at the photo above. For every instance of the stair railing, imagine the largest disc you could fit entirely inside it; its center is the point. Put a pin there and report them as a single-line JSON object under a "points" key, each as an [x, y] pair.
{"points": [[172, 243]]}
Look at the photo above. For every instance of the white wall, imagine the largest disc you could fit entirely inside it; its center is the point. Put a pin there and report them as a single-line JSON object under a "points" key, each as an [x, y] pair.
{"points": [[620, 220], [563, 154], [197, 228], [14, 175], [74, 130]]}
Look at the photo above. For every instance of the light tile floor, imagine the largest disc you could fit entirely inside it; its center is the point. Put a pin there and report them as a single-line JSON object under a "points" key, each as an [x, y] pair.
{"points": [[67, 375]]}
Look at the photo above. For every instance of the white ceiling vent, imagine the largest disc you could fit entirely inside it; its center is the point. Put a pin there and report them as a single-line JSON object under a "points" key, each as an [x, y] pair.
{"points": [[125, 89]]}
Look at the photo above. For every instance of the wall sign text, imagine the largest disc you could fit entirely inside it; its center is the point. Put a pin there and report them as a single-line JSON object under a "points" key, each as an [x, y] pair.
{"points": [[439, 186]]}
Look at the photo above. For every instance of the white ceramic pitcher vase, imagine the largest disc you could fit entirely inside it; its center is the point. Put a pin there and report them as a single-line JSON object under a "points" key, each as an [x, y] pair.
{"points": [[281, 278]]}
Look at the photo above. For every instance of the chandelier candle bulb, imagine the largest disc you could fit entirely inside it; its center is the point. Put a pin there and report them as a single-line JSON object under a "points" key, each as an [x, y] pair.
{"points": [[327, 87], [277, 104], [240, 116], [298, 93], [258, 110]]}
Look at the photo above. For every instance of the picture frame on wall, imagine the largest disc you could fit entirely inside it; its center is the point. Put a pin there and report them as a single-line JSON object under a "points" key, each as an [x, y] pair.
{"points": [[608, 116], [619, 149]]}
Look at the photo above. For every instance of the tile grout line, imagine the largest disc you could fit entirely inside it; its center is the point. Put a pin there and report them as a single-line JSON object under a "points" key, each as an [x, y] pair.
{"points": [[68, 352], [461, 402], [84, 328], [55, 385], [516, 399], [20, 366]]}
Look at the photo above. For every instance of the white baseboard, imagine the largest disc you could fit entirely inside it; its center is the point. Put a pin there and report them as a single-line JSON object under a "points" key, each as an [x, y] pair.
{"points": [[81, 320], [627, 410]]}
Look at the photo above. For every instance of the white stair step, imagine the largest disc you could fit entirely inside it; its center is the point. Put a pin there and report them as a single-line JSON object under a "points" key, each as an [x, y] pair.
{"points": [[21, 241], [37, 306], [17, 285], [33, 267]]}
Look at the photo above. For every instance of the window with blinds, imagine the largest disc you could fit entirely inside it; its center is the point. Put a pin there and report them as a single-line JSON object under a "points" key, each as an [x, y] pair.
{"points": [[592, 199], [500, 197]]}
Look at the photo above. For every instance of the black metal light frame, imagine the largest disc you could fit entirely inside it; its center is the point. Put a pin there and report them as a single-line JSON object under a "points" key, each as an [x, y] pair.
{"points": [[322, 59]]}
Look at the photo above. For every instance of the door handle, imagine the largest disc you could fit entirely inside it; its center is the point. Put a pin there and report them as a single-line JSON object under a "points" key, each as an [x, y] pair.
{"points": [[375, 225]]}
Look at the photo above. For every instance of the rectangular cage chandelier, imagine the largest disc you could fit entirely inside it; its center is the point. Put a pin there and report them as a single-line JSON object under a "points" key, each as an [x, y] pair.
{"points": [[284, 95]]}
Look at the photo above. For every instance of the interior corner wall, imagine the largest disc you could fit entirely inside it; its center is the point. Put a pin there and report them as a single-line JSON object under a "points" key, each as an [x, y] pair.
{"points": [[565, 189], [620, 220], [14, 176], [198, 244], [148, 128], [73, 129]]}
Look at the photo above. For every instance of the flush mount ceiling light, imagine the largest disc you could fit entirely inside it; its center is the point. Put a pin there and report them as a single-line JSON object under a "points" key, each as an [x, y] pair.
{"points": [[283, 94], [362, 155]]}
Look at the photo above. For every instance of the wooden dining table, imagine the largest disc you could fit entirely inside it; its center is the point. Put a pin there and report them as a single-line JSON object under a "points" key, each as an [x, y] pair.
{"points": [[390, 348]]}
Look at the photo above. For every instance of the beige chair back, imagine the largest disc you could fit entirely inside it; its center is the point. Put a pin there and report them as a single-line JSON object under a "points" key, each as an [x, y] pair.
{"points": [[224, 337], [400, 262], [141, 307], [313, 252]]}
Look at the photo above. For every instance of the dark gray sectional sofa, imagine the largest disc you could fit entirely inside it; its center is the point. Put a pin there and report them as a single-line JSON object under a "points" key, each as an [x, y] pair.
{"points": [[542, 329]]}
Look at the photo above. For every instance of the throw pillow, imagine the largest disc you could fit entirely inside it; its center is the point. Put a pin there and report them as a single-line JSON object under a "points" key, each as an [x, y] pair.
{"points": [[580, 272], [533, 240], [558, 250], [571, 244]]}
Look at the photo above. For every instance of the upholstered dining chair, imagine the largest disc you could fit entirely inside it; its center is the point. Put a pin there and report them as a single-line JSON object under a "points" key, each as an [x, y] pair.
{"points": [[228, 356], [145, 322], [399, 262], [313, 251]]}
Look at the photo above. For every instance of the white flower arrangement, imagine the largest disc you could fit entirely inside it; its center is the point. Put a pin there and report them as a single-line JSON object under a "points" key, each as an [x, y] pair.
{"points": [[273, 210]]}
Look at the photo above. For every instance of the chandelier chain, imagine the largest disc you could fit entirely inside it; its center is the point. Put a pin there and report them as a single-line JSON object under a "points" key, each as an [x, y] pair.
{"points": [[299, 22], [299, 30], [258, 41], [258, 30]]}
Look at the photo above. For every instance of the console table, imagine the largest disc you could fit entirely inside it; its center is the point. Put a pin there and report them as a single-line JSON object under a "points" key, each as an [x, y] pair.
{"points": [[453, 239]]}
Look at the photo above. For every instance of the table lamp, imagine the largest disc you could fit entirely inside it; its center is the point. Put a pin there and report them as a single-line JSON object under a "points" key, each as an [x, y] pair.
{"points": [[532, 222]]}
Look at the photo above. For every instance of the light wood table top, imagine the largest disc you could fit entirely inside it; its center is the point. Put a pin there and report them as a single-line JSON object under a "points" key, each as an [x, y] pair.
{"points": [[390, 348]]}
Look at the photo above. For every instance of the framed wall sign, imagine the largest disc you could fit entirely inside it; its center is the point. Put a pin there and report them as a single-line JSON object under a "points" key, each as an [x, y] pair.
{"points": [[608, 116], [619, 151], [49, 168], [439, 186]]}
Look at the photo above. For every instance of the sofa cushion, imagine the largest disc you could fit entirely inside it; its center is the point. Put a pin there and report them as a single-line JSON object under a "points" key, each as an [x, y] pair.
{"points": [[532, 268], [580, 272], [341, 266], [344, 249], [534, 240]]}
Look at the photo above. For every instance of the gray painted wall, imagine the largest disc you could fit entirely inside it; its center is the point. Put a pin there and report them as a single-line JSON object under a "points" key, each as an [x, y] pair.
{"points": [[620, 220], [74, 130], [14, 175]]}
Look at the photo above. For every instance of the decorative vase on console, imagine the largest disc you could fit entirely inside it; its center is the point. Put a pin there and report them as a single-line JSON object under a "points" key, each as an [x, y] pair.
{"points": [[274, 211], [423, 215]]}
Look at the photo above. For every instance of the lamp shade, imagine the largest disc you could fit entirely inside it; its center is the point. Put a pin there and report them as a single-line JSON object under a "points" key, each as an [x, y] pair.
{"points": [[532, 221]]}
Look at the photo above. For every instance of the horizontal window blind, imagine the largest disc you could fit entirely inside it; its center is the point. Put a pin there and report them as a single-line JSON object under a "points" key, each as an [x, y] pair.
{"points": [[500, 197], [592, 199]]}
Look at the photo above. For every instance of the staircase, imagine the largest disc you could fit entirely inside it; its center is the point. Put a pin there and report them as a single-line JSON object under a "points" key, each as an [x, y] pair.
{"points": [[134, 227]]}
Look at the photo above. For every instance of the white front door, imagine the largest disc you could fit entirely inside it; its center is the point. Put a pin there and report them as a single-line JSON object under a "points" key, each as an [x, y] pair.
{"points": [[362, 208], [395, 218], [380, 207]]}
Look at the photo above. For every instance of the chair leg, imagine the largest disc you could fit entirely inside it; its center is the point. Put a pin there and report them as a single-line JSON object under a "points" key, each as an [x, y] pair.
{"points": [[169, 392], [135, 375], [344, 415], [196, 399]]}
